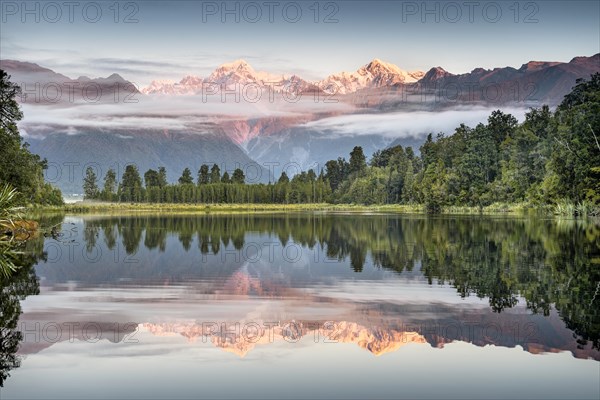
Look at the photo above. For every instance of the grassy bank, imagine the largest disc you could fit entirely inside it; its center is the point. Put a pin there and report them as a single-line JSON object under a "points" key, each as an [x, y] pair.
{"points": [[85, 207], [120, 208]]}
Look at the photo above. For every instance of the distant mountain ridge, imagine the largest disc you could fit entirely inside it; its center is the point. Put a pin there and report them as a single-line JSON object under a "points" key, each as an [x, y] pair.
{"points": [[376, 73], [43, 85], [534, 82], [543, 81]]}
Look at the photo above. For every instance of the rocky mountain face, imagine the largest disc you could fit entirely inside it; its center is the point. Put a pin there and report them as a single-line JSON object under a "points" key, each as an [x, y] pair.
{"points": [[533, 84]]}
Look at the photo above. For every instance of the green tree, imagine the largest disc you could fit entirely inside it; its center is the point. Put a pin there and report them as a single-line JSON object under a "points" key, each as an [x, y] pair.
{"points": [[358, 161], [90, 184], [225, 178], [397, 163], [203, 175], [23, 282], [478, 167], [110, 185], [153, 189], [434, 187], [151, 179], [501, 126], [367, 189], [283, 179], [526, 153], [575, 158], [238, 176], [130, 188], [186, 177], [215, 174], [409, 193], [10, 113], [429, 151], [18, 166], [381, 158], [336, 171], [162, 177]]}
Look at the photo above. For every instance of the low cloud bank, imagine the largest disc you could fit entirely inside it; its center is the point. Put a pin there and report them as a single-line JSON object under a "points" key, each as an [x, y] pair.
{"points": [[406, 124], [177, 113]]}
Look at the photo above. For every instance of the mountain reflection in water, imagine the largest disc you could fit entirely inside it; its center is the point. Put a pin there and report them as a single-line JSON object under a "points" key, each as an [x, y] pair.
{"points": [[246, 282]]}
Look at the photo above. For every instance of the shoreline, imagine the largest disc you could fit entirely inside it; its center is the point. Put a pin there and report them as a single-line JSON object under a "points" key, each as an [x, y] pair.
{"points": [[518, 209]]}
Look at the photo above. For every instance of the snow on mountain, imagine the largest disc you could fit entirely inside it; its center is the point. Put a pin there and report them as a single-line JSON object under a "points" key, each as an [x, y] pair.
{"points": [[160, 86], [376, 340], [227, 77], [417, 75], [375, 74], [240, 72], [188, 85]]}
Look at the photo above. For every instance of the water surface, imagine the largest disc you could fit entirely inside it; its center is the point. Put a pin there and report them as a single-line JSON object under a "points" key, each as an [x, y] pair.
{"points": [[306, 305]]}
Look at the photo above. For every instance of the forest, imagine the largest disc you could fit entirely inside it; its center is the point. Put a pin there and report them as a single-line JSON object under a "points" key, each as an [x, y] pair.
{"points": [[550, 158]]}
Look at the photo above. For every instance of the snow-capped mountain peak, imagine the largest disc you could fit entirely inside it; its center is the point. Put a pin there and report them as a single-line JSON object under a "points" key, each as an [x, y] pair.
{"points": [[240, 72], [191, 80], [238, 66], [190, 84], [160, 86], [380, 67], [377, 73]]}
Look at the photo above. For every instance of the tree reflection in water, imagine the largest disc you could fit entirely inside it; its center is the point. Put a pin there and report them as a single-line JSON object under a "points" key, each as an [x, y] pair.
{"points": [[545, 261], [549, 263], [14, 288]]}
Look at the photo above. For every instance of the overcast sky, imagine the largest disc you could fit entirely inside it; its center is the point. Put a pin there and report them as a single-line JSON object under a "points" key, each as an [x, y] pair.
{"points": [[160, 40]]}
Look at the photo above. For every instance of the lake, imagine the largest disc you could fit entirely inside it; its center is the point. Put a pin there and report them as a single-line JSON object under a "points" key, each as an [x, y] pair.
{"points": [[305, 305]]}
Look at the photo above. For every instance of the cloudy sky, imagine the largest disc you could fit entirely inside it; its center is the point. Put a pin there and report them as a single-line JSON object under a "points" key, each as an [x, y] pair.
{"points": [[167, 40]]}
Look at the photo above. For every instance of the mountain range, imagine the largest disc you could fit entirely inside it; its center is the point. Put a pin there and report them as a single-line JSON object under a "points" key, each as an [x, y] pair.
{"points": [[540, 81], [534, 82], [109, 121], [372, 75]]}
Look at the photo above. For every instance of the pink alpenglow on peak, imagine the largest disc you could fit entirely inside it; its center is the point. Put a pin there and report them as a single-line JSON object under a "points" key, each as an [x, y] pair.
{"points": [[375, 74]]}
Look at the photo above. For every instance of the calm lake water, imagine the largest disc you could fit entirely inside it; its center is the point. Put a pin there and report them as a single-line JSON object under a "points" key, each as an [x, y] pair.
{"points": [[305, 305]]}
